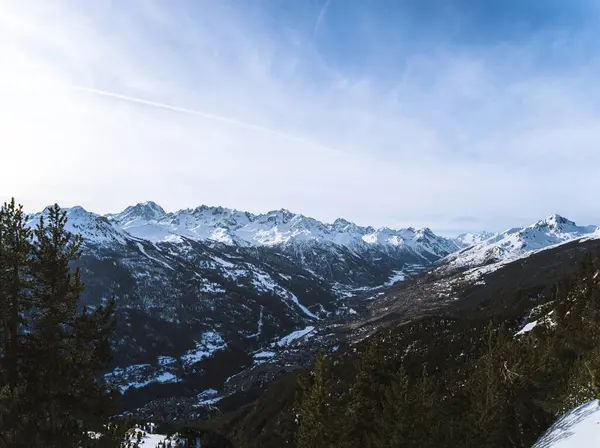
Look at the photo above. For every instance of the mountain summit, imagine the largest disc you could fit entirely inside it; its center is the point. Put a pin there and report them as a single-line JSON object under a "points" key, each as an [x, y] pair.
{"points": [[148, 221], [518, 241]]}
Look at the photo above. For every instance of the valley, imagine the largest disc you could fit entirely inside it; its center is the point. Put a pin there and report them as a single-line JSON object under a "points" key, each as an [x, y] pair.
{"points": [[215, 305]]}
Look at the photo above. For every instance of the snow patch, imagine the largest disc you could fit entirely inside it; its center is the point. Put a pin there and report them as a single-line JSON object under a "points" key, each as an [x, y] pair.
{"points": [[397, 276], [305, 310], [260, 355], [210, 343], [293, 336], [143, 251], [578, 428], [139, 375], [527, 328]]}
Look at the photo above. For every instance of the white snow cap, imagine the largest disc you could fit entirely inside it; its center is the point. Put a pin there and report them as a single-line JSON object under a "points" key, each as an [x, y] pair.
{"points": [[516, 242], [149, 221]]}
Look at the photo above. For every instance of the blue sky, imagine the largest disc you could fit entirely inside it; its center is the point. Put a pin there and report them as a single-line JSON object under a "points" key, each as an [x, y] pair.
{"points": [[459, 115]]}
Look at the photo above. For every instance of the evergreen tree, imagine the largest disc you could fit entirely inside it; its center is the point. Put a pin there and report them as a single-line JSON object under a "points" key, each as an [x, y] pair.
{"points": [[15, 303], [392, 424], [316, 429], [364, 397], [51, 395]]}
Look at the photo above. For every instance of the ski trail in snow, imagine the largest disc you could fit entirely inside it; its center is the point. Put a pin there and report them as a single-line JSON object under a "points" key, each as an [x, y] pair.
{"points": [[260, 325], [142, 250], [305, 310]]}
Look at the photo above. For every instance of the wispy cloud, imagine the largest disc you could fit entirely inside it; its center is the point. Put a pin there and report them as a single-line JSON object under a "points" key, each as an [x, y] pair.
{"points": [[321, 16], [237, 104], [196, 113]]}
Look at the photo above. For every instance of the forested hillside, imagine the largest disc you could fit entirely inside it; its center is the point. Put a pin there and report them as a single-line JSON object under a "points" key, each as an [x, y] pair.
{"points": [[438, 381]]}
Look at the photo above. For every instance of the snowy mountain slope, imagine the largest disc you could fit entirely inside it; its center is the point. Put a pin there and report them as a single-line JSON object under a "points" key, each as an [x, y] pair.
{"points": [[340, 253], [518, 241], [248, 280], [244, 278], [97, 230], [275, 228], [471, 239]]}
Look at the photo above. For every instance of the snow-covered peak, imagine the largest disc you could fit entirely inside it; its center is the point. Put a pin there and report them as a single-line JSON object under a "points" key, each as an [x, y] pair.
{"points": [[518, 241], [557, 224], [144, 211], [423, 241], [471, 239], [425, 232], [148, 221], [343, 225], [94, 228]]}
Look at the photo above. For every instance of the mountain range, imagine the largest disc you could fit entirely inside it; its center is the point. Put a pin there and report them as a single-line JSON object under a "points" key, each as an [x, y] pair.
{"points": [[205, 294]]}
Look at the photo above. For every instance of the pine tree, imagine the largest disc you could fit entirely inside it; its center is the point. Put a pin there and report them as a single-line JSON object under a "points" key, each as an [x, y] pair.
{"points": [[315, 430], [15, 302], [51, 395], [485, 392], [393, 422], [365, 394]]}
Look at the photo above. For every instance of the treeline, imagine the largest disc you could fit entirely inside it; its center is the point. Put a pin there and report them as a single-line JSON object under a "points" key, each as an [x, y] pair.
{"points": [[51, 349], [471, 384]]}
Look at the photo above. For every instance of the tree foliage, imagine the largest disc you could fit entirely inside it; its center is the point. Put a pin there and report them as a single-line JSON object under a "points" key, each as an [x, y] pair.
{"points": [[51, 350]]}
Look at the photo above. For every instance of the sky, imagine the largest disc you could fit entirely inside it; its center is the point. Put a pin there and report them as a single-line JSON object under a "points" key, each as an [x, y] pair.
{"points": [[458, 115]]}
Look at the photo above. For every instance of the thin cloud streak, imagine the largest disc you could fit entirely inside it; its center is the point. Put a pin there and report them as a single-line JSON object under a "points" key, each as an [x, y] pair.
{"points": [[321, 16], [202, 114]]}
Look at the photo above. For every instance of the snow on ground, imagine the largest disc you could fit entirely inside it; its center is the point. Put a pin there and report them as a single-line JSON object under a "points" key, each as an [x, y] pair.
{"points": [[578, 428], [212, 288], [150, 232], [139, 375], [397, 276], [143, 251], [544, 320], [210, 343], [295, 335], [148, 440], [166, 360], [208, 393], [166, 377], [263, 281], [305, 310], [265, 354], [152, 440], [259, 325], [210, 399], [379, 294], [527, 328], [224, 263]]}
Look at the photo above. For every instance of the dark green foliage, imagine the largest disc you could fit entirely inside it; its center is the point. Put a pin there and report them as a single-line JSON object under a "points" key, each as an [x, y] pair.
{"points": [[316, 430], [52, 351], [450, 382]]}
